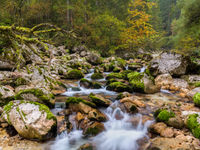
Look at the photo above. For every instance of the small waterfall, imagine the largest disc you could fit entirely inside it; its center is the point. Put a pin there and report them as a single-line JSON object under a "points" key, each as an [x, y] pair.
{"points": [[120, 134], [69, 141], [143, 69], [84, 91]]}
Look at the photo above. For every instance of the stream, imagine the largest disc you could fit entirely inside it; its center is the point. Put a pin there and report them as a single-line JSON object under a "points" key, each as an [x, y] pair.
{"points": [[119, 134]]}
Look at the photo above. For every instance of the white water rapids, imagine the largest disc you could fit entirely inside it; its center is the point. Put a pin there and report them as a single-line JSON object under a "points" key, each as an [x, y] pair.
{"points": [[119, 133]]}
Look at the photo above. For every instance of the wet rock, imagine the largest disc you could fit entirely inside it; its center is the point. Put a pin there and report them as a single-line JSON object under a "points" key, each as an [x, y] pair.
{"points": [[130, 107], [93, 129], [177, 143], [36, 95], [87, 146], [174, 64], [176, 122], [134, 66], [61, 124], [164, 81], [96, 115], [168, 133], [142, 83], [123, 95], [158, 128], [133, 99], [79, 117], [178, 84], [99, 100], [74, 74], [97, 76], [89, 84], [30, 119], [119, 87], [94, 59]]}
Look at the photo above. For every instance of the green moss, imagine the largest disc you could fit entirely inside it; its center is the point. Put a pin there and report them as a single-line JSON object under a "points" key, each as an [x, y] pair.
{"points": [[21, 81], [115, 76], [135, 79], [90, 84], [197, 84], [194, 125], [96, 76], [46, 99], [97, 100], [116, 69], [192, 121], [74, 74], [44, 108], [196, 99], [7, 108], [92, 131], [77, 100], [163, 115], [119, 87]]}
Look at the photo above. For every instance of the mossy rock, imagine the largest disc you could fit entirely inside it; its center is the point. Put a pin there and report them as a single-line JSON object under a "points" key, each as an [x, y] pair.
{"points": [[163, 115], [21, 81], [77, 100], [74, 74], [119, 87], [196, 99], [37, 126], [108, 67], [115, 76], [94, 129], [136, 81], [89, 84], [193, 124], [96, 76], [99, 100], [43, 98], [116, 69]]}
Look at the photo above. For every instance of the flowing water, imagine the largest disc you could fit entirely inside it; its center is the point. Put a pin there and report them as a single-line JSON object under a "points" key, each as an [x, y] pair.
{"points": [[119, 134]]}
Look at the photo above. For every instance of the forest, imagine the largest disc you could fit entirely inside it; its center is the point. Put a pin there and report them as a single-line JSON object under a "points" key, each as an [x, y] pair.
{"points": [[99, 74]]}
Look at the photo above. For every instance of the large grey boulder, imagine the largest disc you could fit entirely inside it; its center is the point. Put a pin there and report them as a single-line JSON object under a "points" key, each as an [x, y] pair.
{"points": [[30, 119], [173, 64]]}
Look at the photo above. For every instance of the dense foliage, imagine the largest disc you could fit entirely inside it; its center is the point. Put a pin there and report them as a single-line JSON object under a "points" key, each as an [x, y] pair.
{"points": [[112, 25]]}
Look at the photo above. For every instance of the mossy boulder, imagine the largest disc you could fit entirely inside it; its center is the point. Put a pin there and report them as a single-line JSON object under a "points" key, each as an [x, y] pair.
{"points": [[115, 76], [74, 74], [89, 84], [31, 120], [119, 87], [99, 100], [97, 76], [194, 125], [196, 99], [143, 83], [37, 95], [163, 115], [134, 66], [136, 80], [77, 100], [93, 129]]}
